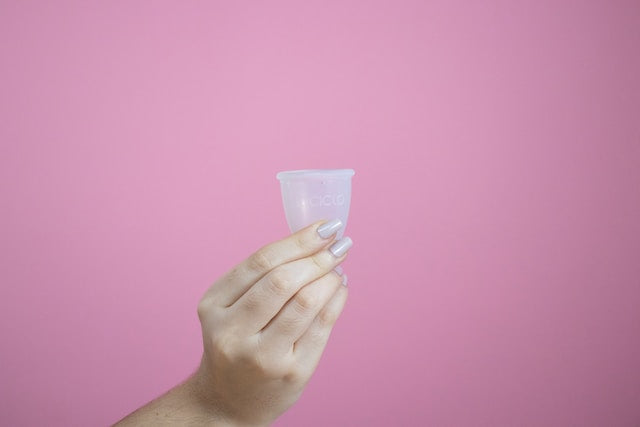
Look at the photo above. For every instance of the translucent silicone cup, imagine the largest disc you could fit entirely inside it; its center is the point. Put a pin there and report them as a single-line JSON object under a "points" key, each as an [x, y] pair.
{"points": [[314, 194]]}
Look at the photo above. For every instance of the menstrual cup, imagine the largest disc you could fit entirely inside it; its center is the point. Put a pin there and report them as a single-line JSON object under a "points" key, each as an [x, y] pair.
{"points": [[314, 194]]}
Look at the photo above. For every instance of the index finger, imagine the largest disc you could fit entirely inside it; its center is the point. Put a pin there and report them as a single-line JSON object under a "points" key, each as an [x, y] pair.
{"points": [[231, 286]]}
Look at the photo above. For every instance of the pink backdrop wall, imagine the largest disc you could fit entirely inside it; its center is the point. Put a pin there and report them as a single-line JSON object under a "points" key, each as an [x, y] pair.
{"points": [[495, 277]]}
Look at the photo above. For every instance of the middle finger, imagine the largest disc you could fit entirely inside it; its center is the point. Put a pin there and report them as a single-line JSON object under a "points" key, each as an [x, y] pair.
{"points": [[255, 309]]}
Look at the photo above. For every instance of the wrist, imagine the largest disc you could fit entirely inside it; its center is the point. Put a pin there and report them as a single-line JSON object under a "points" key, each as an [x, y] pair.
{"points": [[198, 388], [203, 394], [185, 404]]}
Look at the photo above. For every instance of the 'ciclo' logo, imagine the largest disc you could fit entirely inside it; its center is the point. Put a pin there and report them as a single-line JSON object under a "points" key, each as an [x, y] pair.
{"points": [[327, 200]]}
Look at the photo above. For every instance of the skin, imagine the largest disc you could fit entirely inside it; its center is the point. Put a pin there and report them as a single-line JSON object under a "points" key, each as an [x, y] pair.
{"points": [[264, 325]]}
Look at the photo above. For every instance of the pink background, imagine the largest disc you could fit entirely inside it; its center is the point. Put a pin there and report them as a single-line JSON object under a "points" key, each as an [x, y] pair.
{"points": [[495, 277]]}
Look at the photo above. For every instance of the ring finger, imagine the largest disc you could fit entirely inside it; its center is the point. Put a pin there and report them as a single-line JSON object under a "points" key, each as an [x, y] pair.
{"points": [[299, 312]]}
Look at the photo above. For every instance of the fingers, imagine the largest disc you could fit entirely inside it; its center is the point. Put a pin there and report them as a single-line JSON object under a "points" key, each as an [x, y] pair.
{"points": [[299, 312], [305, 242], [308, 349], [255, 309]]}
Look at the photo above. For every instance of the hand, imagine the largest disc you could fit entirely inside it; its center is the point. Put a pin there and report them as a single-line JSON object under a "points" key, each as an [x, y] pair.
{"points": [[265, 325]]}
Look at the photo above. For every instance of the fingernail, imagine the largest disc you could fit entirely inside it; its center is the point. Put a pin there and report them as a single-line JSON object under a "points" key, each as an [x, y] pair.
{"points": [[329, 228], [340, 247], [339, 270], [344, 279]]}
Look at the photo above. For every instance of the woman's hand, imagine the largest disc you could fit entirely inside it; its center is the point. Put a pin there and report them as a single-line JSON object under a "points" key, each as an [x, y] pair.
{"points": [[265, 325]]}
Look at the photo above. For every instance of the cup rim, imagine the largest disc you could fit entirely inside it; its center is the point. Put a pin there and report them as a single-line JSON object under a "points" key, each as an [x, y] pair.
{"points": [[284, 175]]}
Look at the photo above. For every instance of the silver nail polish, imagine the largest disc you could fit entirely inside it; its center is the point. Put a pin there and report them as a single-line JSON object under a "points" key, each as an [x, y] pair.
{"points": [[339, 270], [329, 228], [340, 247], [344, 279]]}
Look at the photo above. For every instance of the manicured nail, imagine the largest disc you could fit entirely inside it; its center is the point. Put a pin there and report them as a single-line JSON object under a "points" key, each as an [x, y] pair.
{"points": [[344, 279], [339, 270], [340, 247], [329, 228]]}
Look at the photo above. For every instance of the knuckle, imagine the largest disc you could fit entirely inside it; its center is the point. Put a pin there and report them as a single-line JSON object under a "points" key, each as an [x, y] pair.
{"points": [[279, 282], [235, 274], [295, 375], [316, 335], [225, 346], [207, 309], [203, 308], [304, 241], [251, 303], [289, 325], [268, 365], [336, 279], [327, 318], [306, 301], [260, 261], [321, 262]]}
